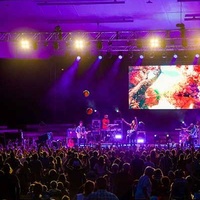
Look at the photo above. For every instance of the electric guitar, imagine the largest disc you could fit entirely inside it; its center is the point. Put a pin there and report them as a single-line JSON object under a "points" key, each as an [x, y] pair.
{"points": [[82, 134]]}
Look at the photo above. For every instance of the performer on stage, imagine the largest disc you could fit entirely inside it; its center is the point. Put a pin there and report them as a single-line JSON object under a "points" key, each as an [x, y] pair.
{"points": [[81, 134], [131, 133], [105, 127], [192, 130]]}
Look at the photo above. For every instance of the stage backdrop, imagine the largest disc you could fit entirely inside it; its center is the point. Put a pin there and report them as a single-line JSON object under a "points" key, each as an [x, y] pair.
{"points": [[51, 91]]}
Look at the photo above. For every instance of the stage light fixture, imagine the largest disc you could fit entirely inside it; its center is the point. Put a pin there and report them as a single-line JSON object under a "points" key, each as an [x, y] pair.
{"points": [[118, 136], [120, 57], [78, 57], [141, 137], [35, 45], [164, 55], [79, 44], [99, 45], [56, 45], [140, 141], [117, 110], [175, 56], [154, 42], [25, 44], [156, 139], [100, 57], [168, 138], [141, 56], [197, 55], [151, 55]]}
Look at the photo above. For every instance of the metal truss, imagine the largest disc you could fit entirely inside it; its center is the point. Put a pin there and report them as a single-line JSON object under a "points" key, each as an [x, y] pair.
{"points": [[112, 41]]}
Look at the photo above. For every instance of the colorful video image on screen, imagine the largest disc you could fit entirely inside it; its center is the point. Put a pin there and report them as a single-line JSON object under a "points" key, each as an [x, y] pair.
{"points": [[164, 87]]}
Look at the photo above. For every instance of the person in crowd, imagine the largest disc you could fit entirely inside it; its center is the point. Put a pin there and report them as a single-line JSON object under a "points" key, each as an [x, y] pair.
{"points": [[36, 168], [148, 162], [100, 167], [137, 166], [13, 161], [144, 186], [123, 183], [10, 184], [166, 163], [180, 187], [54, 192], [37, 191], [88, 188], [165, 188], [101, 191], [156, 183]]}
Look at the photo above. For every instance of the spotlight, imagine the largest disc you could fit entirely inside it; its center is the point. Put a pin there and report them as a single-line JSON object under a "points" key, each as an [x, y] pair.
{"points": [[141, 56], [168, 138], [175, 56], [25, 44], [140, 141], [118, 136], [79, 44], [120, 57], [156, 138], [100, 57], [141, 137], [197, 55], [154, 42], [117, 110], [78, 58]]}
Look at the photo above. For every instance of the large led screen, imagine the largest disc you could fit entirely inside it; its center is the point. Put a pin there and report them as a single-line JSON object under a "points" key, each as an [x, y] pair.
{"points": [[164, 87]]}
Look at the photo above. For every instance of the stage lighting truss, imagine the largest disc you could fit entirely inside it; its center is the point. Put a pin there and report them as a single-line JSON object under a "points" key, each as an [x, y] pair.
{"points": [[118, 41]]}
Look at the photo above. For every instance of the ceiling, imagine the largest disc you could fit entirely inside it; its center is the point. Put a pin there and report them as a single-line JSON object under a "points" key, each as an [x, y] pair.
{"points": [[118, 24], [97, 15]]}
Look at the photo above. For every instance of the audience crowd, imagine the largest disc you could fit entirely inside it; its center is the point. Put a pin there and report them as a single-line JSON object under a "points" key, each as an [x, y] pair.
{"points": [[46, 172]]}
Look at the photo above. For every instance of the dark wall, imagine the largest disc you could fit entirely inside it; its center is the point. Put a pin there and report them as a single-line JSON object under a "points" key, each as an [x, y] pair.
{"points": [[26, 95]]}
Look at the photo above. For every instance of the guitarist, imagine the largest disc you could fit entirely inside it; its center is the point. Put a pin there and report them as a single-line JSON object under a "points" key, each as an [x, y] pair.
{"points": [[81, 134], [131, 133]]}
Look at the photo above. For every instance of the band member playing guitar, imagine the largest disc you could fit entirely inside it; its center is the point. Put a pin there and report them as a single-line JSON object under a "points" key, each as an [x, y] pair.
{"points": [[131, 133], [81, 134], [192, 134]]}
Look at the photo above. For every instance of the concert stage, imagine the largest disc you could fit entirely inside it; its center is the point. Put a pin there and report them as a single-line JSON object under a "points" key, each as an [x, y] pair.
{"points": [[63, 135]]}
